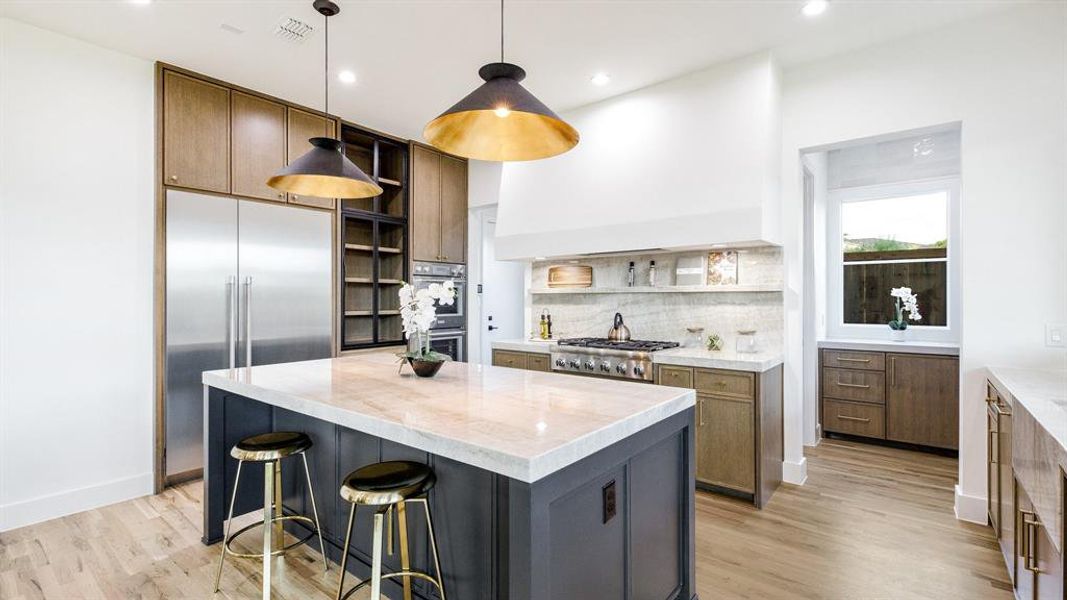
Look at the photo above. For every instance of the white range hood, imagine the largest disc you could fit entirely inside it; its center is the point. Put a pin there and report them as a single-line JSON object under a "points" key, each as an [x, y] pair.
{"points": [[687, 163]]}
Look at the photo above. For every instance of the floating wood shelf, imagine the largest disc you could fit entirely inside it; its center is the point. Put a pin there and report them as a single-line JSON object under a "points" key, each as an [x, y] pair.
{"points": [[390, 281], [693, 289], [360, 247], [391, 182], [358, 280], [359, 313], [388, 250], [388, 312]]}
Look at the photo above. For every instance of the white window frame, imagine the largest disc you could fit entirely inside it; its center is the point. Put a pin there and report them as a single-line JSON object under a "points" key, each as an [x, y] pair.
{"points": [[835, 268]]}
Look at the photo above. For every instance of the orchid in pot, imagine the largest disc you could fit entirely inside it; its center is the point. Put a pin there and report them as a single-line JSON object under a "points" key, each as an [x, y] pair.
{"points": [[418, 310], [905, 302]]}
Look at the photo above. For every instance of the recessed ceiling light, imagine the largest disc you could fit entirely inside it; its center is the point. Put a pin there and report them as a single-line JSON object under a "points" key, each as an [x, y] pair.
{"points": [[814, 8], [347, 77], [600, 79]]}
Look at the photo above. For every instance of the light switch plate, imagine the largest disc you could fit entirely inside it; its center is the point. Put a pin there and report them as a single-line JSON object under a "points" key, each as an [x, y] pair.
{"points": [[1056, 335]]}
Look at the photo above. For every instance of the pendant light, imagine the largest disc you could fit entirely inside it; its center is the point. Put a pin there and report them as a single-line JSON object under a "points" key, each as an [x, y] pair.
{"points": [[501, 120], [325, 171]]}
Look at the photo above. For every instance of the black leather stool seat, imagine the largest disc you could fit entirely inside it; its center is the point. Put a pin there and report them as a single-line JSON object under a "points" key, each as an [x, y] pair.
{"points": [[271, 446], [387, 482]]}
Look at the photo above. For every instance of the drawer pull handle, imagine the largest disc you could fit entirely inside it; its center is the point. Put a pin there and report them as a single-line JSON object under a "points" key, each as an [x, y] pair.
{"points": [[855, 360], [854, 385], [848, 418]]}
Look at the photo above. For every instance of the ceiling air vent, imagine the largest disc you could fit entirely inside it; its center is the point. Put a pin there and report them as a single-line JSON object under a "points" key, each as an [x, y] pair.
{"points": [[293, 30]]}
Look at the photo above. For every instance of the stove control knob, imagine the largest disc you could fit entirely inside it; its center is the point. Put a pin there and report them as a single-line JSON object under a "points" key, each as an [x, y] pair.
{"points": [[605, 367], [561, 363], [589, 365], [639, 371], [620, 369], [575, 364]]}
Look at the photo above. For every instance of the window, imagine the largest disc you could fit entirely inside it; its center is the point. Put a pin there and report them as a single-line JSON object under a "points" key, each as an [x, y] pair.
{"points": [[889, 236]]}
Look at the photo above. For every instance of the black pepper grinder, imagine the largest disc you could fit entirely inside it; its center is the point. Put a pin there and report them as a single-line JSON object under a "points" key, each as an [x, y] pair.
{"points": [[549, 325]]}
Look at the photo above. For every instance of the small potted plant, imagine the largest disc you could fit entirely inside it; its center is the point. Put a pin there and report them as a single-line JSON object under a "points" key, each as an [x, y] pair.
{"points": [[418, 310], [905, 302]]}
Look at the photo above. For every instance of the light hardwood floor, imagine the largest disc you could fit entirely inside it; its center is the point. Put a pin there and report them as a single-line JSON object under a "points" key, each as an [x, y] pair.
{"points": [[870, 523]]}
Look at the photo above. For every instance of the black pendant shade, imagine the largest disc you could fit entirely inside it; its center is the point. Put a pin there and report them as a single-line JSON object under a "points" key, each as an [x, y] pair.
{"points": [[326, 172], [501, 121]]}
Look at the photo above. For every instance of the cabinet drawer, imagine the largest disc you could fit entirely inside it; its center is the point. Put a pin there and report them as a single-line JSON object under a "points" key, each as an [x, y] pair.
{"points": [[676, 376], [729, 383], [855, 418], [848, 359], [855, 385], [537, 362], [504, 358]]}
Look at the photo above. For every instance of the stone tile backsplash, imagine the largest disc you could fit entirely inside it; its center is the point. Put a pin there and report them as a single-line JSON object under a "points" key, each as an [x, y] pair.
{"points": [[665, 316]]}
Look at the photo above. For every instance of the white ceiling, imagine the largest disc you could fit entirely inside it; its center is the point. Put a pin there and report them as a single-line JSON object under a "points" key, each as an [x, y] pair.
{"points": [[415, 58]]}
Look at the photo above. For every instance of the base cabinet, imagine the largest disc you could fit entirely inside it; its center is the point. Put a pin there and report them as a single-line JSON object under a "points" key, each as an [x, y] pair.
{"points": [[900, 397], [739, 447], [1038, 565], [531, 361]]}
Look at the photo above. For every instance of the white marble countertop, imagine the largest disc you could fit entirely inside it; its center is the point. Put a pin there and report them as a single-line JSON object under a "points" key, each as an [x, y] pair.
{"points": [[1043, 394], [684, 357], [913, 347], [520, 424]]}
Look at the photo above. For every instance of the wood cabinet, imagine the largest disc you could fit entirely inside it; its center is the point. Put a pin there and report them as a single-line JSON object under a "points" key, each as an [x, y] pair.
{"points": [[738, 425], [1000, 476], [259, 146], [1038, 566], [196, 134], [922, 400], [531, 361], [302, 126], [438, 206], [900, 397]]}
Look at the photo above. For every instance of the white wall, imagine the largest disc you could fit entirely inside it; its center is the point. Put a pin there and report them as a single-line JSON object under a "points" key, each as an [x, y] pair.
{"points": [[685, 163], [1003, 77], [76, 227], [814, 297]]}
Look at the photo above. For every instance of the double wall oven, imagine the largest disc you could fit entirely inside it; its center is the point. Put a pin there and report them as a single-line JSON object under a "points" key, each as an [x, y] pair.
{"points": [[448, 335]]}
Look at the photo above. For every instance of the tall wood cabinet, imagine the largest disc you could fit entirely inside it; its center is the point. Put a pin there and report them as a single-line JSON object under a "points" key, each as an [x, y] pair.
{"points": [[900, 397], [438, 206], [302, 126], [258, 151]]}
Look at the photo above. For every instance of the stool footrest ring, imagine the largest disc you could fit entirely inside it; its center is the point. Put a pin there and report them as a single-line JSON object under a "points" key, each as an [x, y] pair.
{"points": [[279, 552], [415, 574]]}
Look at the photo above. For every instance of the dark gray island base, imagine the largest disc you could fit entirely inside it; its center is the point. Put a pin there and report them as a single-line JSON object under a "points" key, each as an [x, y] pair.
{"points": [[557, 538]]}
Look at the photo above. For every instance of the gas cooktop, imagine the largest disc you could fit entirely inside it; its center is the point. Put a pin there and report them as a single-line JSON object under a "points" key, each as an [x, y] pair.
{"points": [[605, 343]]}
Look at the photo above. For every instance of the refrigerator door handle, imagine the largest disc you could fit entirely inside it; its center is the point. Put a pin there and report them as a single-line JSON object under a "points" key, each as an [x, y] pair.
{"points": [[231, 288], [248, 321]]}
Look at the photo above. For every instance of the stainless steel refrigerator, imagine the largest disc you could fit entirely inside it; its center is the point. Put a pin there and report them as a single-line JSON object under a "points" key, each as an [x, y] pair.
{"points": [[248, 283]]}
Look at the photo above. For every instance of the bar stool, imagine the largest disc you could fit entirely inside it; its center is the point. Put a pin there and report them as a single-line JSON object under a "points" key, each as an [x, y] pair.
{"points": [[270, 449], [390, 486]]}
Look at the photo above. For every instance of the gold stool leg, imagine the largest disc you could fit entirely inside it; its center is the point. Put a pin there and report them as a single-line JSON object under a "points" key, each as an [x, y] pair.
{"points": [[405, 561], [279, 527], [433, 548], [315, 512], [376, 567], [229, 525], [344, 550], [268, 522]]}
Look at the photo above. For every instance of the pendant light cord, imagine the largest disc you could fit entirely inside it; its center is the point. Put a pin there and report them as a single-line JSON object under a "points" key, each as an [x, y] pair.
{"points": [[326, 67], [501, 30]]}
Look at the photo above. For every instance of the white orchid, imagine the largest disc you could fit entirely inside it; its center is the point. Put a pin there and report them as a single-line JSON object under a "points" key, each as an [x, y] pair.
{"points": [[418, 311], [908, 302]]}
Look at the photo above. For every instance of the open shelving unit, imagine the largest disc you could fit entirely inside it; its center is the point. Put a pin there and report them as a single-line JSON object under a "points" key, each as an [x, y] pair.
{"points": [[374, 238]]}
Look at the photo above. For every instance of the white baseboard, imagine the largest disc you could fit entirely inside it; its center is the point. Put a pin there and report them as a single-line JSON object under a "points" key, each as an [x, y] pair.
{"points": [[971, 508], [44, 508], [795, 472]]}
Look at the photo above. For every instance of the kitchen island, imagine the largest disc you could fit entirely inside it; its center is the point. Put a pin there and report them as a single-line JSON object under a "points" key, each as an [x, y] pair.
{"points": [[549, 486]]}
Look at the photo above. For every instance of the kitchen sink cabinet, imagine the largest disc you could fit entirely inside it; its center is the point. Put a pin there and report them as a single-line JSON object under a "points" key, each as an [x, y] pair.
{"points": [[900, 397], [301, 127], [196, 133], [259, 145], [438, 206], [738, 428]]}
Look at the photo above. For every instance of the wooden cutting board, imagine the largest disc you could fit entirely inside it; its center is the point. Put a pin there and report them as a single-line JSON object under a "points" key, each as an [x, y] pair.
{"points": [[570, 276]]}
